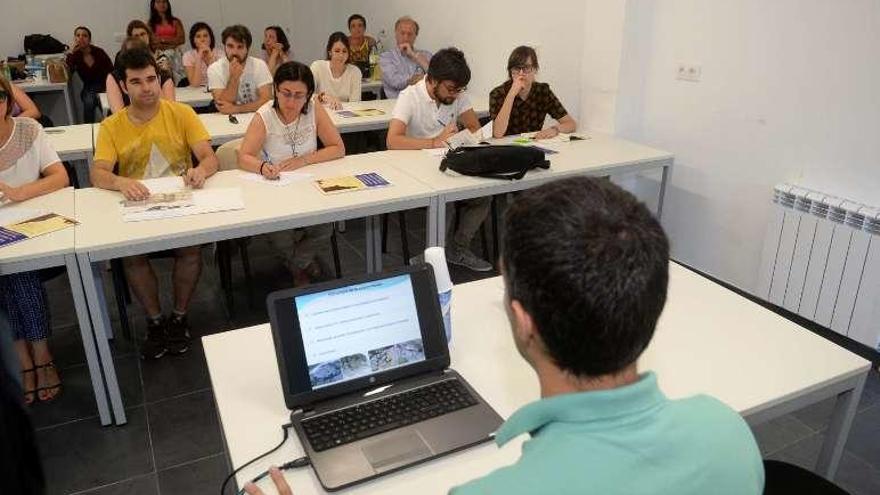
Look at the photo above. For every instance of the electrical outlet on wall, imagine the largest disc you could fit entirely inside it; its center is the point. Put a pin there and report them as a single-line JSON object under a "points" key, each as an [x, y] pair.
{"points": [[688, 72]]}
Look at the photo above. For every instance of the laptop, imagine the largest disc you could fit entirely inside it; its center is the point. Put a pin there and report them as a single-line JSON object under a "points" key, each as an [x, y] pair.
{"points": [[365, 372]]}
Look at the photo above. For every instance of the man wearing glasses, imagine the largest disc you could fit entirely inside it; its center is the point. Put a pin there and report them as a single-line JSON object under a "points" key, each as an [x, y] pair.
{"points": [[425, 116], [521, 104]]}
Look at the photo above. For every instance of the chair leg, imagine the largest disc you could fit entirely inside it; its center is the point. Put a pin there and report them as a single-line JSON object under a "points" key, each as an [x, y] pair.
{"points": [[224, 265], [246, 264], [384, 233], [334, 245], [120, 290], [404, 241], [484, 241]]}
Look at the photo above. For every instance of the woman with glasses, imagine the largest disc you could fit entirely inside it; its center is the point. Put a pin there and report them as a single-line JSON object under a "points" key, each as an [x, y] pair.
{"points": [[283, 137], [521, 103]]}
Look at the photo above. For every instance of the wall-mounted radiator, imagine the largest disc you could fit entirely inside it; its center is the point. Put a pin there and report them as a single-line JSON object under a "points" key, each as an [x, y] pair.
{"points": [[821, 260]]}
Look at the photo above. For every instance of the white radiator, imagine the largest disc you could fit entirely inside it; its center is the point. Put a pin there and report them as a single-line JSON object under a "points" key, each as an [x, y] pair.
{"points": [[821, 260]]}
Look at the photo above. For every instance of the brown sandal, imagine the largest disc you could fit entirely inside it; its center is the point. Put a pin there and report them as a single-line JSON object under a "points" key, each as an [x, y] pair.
{"points": [[54, 386]]}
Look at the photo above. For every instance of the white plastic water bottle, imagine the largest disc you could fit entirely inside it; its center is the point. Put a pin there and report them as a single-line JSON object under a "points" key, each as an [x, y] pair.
{"points": [[436, 257]]}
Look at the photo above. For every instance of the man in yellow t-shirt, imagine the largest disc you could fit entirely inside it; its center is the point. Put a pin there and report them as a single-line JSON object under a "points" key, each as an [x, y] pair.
{"points": [[154, 138]]}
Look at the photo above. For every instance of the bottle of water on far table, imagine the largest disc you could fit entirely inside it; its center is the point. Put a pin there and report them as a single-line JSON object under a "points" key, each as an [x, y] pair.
{"points": [[436, 257]]}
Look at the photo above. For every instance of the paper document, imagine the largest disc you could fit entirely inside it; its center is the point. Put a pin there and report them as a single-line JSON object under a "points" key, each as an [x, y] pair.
{"points": [[285, 179], [34, 224], [464, 138], [182, 203], [164, 184], [436, 151], [360, 112], [347, 183]]}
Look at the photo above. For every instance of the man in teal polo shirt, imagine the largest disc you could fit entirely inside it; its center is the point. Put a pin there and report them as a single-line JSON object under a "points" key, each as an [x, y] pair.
{"points": [[586, 268]]}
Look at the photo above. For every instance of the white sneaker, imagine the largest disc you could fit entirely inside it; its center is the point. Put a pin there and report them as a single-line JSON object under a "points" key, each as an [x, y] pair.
{"points": [[467, 259]]}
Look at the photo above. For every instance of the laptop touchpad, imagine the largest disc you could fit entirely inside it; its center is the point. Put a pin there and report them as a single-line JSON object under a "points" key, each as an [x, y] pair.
{"points": [[392, 451]]}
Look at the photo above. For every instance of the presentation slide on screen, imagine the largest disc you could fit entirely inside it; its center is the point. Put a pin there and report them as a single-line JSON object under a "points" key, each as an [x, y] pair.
{"points": [[359, 330]]}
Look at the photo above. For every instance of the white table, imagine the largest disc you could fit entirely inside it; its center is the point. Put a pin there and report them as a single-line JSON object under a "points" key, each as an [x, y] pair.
{"points": [[598, 156], [374, 86], [53, 250], [195, 97], [103, 235], [709, 340], [222, 130], [74, 143], [36, 87]]}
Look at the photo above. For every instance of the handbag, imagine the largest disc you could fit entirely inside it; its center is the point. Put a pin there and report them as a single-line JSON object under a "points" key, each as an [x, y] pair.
{"points": [[43, 44], [507, 162]]}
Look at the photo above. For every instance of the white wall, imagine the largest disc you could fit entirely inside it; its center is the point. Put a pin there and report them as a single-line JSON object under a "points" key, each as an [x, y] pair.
{"points": [[788, 93]]}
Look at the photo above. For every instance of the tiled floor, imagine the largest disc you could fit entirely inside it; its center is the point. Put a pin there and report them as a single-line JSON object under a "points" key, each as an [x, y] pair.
{"points": [[172, 443]]}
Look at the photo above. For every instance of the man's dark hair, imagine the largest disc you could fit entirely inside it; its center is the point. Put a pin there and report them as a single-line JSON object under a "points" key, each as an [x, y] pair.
{"points": [[449, 64], [281, 36], [198, 27], [520, 56], [239, 33], [295, 71], [353, 17], [340, 37], [137, 57], [589, 263]]}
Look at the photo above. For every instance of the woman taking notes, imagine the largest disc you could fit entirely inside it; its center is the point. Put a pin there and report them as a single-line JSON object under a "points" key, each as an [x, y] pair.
{"points": [[283, 136], [336, 80], [521, 104]]}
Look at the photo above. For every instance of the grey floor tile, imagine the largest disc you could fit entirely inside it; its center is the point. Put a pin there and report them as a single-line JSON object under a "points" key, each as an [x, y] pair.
{"points": [[779, 433], [77, 400], [83, 455], [184, 429], [175, 375], [864, 437], [818, 415], [853, 474], [202, 477], [141, 485]]}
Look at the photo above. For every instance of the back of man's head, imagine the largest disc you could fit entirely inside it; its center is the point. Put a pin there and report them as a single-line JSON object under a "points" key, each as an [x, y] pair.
{"points": [[449, 64], [239, 33], [589, 263]]}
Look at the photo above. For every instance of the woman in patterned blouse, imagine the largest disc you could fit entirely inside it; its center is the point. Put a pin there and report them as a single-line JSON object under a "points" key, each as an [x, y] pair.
{"points": [[521, 104]]}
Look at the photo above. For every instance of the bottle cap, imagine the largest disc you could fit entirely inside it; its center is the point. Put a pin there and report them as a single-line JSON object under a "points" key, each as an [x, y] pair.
{"points": [[436, 257]]}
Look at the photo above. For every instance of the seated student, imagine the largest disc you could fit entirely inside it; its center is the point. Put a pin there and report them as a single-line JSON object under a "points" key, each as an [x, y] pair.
{"points": [[238, 82], [335, 78], [116, 98], [168, 34], [276, 48], [22, 105], [154, 137], [403, 65], [139, 29], [585, 269], [425, 116], [93, 65], [360, 44], [521, 104], [29, 167], [283, 136], [204, 53]]}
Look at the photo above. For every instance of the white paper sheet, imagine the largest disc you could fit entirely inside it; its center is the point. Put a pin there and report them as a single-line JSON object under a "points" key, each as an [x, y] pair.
{"points": [[164, 184], [197, 202], [285, 179], [436, 151], [10, 215]]}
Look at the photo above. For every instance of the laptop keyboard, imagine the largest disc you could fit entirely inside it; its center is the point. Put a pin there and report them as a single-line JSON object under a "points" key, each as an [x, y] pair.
{"points": [[389, 413]]}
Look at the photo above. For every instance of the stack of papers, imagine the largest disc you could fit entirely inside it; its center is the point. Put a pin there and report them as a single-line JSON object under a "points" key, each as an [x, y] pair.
{"points": [[20, 224], [361, 112], [169, 198], [347, 183]]}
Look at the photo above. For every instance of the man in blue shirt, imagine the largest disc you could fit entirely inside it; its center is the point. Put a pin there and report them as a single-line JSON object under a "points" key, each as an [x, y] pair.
{"points": [[403, 65], [585, 267]]}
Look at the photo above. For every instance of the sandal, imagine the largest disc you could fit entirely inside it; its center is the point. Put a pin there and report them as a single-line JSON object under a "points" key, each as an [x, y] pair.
{"points": [[54, 386], [30, 394]]}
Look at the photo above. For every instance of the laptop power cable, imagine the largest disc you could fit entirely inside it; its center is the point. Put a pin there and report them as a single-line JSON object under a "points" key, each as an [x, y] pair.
{"points": [[296, 463]]}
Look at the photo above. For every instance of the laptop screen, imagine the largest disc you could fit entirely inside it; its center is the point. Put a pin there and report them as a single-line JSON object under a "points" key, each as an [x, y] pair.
{"points": [[358, 330]]}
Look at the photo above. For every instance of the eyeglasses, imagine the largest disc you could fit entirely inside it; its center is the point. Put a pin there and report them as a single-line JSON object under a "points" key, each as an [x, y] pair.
{"points": [[523, 69], [295, 96], [454, 90]]}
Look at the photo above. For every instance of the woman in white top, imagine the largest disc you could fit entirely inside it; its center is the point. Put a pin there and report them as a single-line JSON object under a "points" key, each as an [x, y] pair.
{"points": [[283, 136], [335, 78], [203, 53], [29, 167]]}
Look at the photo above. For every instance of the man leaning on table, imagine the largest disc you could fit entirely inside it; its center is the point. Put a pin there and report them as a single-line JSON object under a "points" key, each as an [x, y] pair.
{"points": [[425, 115], [585, 273], [151, 138]]}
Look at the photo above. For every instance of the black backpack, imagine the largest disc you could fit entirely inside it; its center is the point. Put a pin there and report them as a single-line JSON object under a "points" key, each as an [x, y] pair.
{"points": [[43, 44], [509, 162]]}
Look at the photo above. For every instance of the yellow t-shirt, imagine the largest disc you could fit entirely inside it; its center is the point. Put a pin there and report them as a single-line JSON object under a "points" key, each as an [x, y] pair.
{"points": [[158, 148]]}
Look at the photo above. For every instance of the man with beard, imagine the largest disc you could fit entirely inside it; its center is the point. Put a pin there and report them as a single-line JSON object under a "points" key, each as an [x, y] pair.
{"points": [[150, 138], [425, 116], [239, 83]]}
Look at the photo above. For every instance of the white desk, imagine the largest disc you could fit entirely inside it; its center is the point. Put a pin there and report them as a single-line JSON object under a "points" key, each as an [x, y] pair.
{"points": [[372, 86], [49, 251], [74, 143], [221, 129], [194, 97], [44, 86], [709, 340], [103, 235], [598, 156]]}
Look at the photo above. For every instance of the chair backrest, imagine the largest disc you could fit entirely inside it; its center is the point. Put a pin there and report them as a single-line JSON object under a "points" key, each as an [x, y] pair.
{"points": [[227, 154], [784, 478]]}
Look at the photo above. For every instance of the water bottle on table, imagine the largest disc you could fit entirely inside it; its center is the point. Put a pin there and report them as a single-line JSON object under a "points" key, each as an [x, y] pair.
{"points": [[436, 257]]}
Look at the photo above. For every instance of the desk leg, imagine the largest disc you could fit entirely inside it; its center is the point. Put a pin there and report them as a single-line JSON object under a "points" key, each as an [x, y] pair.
{"points": [[838, 429], [94, 292], [88, 338], [373, 226], [431, 229], [69, 106], [664, 182], [440, 219]]}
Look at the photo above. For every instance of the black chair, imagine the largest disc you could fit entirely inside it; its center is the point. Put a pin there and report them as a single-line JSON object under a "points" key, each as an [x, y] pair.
{"points": [[782, 478]]}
